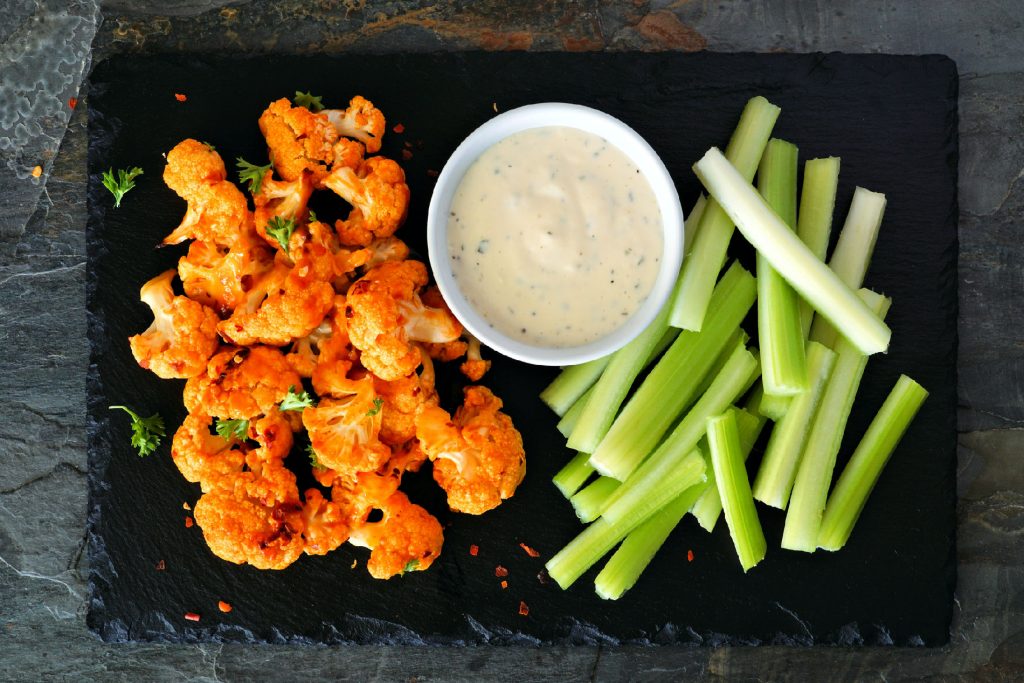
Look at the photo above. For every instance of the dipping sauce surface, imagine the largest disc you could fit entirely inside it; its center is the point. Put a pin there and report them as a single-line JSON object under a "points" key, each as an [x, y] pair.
{"points": [[555, 236]]}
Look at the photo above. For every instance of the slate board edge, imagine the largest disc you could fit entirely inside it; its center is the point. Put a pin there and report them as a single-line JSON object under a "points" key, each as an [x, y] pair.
{"points": [[575, 632]]}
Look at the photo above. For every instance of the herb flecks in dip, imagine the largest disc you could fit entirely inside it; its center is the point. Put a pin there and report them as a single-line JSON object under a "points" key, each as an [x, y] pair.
{"points": [[555, 236]]}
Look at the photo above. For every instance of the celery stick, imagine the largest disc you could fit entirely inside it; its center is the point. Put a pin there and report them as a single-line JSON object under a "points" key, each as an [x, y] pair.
{"points": [[783, 364], [571, 383], [674, 382], [615, 381], [693, 221], [866, 464], [707, 254], [707, 508], [774, 479], [853, 251], [813, 476], [570, 478], [775, 407], [659, 348], [737, 375], [586, 549], [572, 416], [589, 502], [814, 225], [734, 489], [636, 552], [667, 477], [785, 252]]}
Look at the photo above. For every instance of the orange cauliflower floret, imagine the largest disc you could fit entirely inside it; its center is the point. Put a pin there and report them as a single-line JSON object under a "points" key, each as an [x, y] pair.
{"points": [[203, 457], [182, 337], [298, 140], [402, 399], [282, 199], [386, 249], [220, 277], [254, 517], [361, 121], [327, 344], [408, 457], [478, 457], [407, 538], [385, 316], [318, 250], [217, 210], [241, 383], [379, 197], [273, 433], [474, 367], [325, 524]]}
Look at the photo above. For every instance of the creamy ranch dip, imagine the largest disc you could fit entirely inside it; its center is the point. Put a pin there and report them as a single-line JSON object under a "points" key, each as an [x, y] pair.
{"points": [[555, 236]]}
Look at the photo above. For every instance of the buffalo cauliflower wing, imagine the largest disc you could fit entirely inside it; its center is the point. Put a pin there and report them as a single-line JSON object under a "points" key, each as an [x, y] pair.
{"points": [[299, 141], [183, 335], [379, 197], [325, 524], [406, 538], [203, 457], [478, 456], [217, 210], [361, 120], [241, 383], [221, 277]]}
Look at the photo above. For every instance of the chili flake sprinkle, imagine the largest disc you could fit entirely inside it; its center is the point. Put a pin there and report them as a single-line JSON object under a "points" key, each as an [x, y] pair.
{"points": [[191, 616], [189, 522], [399, 128], [528, 550], [73, 102], [523, 609], [500, 572], [37, 171], [504, 585], [224, 606], [406, 155], [689, 556], [181, 98], [161, 565], [474, 550]]}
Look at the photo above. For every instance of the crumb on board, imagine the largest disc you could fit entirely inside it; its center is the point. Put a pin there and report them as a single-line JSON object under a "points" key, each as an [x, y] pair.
{"points": [[406, 155], [37, 171], [161, 565], [500, 571], [494, 105], [354, 563], [474, 550], [191, 616], [180, 97], [185, 506], [433, 173], [528, 550], [543, 578], [224, 606], [524, 609], [504, 585], [398, 128]]}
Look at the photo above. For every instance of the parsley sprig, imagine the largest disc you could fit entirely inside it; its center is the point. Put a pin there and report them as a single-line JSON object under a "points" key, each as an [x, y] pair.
{"points": [[232, 429], [281, 229], [314, 459], [252, 174], [412, 565], [146, 431], [120, 184], [296, 400], [314, 103], [378, 403]]}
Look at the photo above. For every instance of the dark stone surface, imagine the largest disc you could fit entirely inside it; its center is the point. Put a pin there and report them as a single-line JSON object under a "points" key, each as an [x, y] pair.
{"points": [[42, 430]]}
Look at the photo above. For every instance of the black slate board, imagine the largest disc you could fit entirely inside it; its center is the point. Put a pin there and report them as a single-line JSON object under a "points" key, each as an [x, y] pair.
{"points": [[893, 120]]}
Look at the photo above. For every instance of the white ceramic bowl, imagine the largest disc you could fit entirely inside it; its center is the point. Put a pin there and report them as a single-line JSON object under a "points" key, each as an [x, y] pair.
{"points": [[592, 121]]}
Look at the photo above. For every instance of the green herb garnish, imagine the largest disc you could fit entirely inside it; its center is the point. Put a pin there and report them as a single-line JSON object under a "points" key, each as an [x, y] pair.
{"points": [[411, 566], [232, 429], [314, 103], [312, 217], [125, 181], [378, 403], [252, 174], [296, 400], [146, 431], [281, 230], [314, 459]]}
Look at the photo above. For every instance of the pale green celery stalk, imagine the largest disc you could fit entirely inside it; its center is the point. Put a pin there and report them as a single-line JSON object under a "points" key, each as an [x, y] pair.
{"points": [[693, 221], [588, 502], [674, 382], [572, 416], [636, 552], [814, 225], [572, 561], [783, 364], [866, 464], [775, 407], [734, 488], [853, 251], [738, 337], [774, 480], [707, 508], [770, 236], [659, 348], [574, 475], [668, 476], [614, 384], [571, 383], [814, 474], [736, 376], [707, 254]]}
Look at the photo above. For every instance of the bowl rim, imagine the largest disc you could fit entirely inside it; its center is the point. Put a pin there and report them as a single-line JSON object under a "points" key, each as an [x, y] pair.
{"points": [[619, 134]]}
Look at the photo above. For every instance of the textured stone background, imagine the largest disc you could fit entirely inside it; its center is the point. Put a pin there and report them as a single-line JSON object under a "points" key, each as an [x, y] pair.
{"points": [[46, 48]]}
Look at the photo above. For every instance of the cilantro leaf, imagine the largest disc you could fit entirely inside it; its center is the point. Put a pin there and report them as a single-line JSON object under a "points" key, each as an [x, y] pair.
{"points": [[232, 429], [314, 459], [296, 400], [314, 103], [252, 174], [146, 431], [281, 230], [312, 217], [378, 403], [119, 186], [412, 565], [209, 146]]}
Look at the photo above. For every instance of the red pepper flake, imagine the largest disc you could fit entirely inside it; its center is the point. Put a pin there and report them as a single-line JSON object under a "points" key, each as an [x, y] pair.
{"points": [[399, 128], [189, 522], [474, 550], [523, 609], [500, 572], [528, 550], [689, 556], [37, 171], [224, 606], [504, 585], [161, 565], [191, 616], [72, 102], [406, 155], [181, 98]]}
